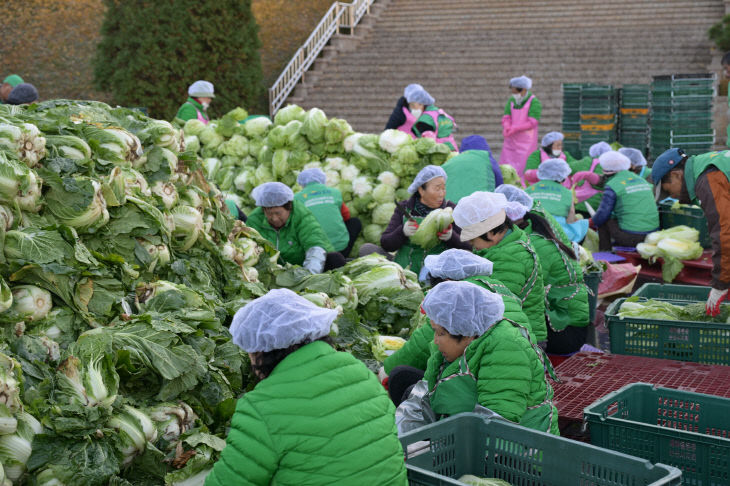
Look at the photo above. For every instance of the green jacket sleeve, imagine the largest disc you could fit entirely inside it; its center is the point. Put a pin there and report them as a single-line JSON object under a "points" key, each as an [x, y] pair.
{"points": [[415, 352], [533, 161], [535, 109], [508, 107], [187, 112], [504, 377], [249, 457], [309, 231]]}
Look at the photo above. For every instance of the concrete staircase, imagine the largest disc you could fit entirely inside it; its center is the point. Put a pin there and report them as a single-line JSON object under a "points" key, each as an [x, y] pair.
{"points": [[465, 51]]}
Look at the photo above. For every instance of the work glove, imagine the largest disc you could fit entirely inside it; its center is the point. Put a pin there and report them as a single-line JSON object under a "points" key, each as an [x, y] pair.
{"points": [[409, 229], [383, 377], [592, 225], [714, 300], [445, 235], [314, 259]]}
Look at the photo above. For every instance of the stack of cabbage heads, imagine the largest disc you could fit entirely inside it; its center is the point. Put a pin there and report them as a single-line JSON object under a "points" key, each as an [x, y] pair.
{"points": [[673, 245]]}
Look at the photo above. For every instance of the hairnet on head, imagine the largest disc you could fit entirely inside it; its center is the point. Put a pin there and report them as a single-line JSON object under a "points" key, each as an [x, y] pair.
{"points": [[635, 156], [201, 89], [515, 211], [455, 264], [272, 194], [278, 320], [598, 149], [415, 93], [614, 161], [515, 194], [426, 174], [551, 138], [553, 170], [308, 176], [478, 213], [522, 82], [463, 308]]}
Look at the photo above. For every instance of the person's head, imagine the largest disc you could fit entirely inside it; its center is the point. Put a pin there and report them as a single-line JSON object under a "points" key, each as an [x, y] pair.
{"points": [[668, 174], [638, 162], [612, 162], [273, 326], [455, 264], [474, 142], [552, 144], [275, 199], [311, 176], [553, 170], [515, 194], [520, 86], [8, 84], [598, 149], [459, 313], [726, 64], [22, 94], [203, 92], [430, 184], [482, 219], [418, 99]]}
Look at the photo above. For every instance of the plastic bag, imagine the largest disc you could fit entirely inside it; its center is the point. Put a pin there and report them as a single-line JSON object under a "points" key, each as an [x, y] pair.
{"points": [[415, 411]]}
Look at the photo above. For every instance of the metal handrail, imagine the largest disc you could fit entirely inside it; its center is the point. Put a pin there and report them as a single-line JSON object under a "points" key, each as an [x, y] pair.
{"points": [[340, 15]]}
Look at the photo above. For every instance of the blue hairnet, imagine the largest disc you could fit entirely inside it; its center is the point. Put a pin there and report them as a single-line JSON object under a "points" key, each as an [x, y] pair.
{"points": [[598, 149], [426, 174], [522, 82], [463, 308], [553, 170], [478, 213], [613, 161], [272, 194], [551, 138], [308, 176], [201, 89], [278, 320], [635, 156], [513, 193], [415, 93], [455, 264]]}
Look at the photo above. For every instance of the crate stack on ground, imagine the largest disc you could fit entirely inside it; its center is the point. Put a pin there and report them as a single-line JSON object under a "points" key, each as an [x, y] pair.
{"points": [[571, 119], [685, 215], [681, 113], [633, 118], [598, 107]]}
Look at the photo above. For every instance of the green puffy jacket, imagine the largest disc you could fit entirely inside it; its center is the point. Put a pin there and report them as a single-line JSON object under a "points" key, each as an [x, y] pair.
{"points": [[517, 265], [190, 111], [510, 375], [300, 233], [321, 417], [566, 293], [416, 351]]}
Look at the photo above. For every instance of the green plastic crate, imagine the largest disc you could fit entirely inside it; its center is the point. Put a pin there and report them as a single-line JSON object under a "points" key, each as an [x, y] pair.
{"points": [[677, 292], [687, 430], [592, 280], [698, 342], [688, 216], [469, 444]]}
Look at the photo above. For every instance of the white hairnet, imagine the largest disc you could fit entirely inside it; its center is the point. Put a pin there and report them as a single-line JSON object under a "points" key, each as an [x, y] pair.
{"points": [[478, 213], [553, 170], [522, 82], [455, 264], [415, 93], [278, 320], [272, 194], [463, 308], [515, 211], [426, 174], [201, 89], [308, 176], [513, 193], [614, 161], [635, 156], [598, 149], [551, 138]]}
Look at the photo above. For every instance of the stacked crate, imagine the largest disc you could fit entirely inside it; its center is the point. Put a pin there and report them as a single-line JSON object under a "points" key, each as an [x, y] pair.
{"points": [[571, 119], [598, 106], [634, 116], [681, 113]]}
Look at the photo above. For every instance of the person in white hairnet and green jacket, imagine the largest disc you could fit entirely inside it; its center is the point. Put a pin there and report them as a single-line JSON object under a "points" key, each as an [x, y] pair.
{"points": [[316, 416]]}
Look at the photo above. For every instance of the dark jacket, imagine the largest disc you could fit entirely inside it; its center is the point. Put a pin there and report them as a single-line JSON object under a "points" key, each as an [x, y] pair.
{"points": [[393, 237], [398, 118]]}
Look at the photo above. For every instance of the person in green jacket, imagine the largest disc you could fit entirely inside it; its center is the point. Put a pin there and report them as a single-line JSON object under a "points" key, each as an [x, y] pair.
{"points": [[7, 86], [292, 228], [705, 180], [638, 161], [566, 294], [327, 206], [481, 359], [317, 416], [628, 211], [551, 147], [493, 236], [406, 366], [200, 95], [474, 169]]}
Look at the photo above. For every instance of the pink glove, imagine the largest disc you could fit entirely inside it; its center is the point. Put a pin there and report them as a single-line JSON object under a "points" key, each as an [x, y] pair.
{"points": [[590, 177], [531, 176], [529, 124]]}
